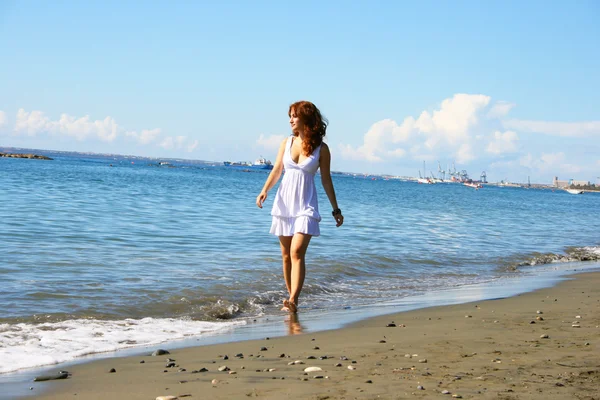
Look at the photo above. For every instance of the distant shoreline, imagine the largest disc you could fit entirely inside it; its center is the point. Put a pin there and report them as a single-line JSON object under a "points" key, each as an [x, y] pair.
{"points": [[27, 151]]}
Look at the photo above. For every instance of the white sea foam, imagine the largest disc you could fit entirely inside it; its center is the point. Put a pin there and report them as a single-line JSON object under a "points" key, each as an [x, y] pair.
{"points": [[35, 345]]}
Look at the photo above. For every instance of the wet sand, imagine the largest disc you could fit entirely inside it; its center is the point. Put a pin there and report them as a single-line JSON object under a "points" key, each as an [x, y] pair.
{"points": [[539, 345]]}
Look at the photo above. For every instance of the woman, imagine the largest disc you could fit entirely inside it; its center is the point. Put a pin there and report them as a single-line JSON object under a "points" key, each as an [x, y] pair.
{"points": [[295, 209]]}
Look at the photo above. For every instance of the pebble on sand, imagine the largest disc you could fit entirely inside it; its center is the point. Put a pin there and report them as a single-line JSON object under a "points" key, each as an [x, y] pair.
{"points": [[313, 369], [167, 398], [544, 336], [159, 352]]}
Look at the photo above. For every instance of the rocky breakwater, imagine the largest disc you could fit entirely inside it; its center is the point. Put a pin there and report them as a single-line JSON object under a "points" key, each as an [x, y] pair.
{"points": [[25, 155]]}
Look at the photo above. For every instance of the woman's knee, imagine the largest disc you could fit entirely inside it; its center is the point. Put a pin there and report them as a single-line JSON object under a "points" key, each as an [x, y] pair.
{"points": [[297, 253], [286, 256]]}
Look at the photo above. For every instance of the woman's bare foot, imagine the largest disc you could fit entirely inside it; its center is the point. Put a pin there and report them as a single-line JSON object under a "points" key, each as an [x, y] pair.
{"points": [[292, 306], [286, 306]]}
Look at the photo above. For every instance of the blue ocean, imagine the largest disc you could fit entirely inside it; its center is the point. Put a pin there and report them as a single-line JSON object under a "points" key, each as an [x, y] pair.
{"points": [[116, 252]]}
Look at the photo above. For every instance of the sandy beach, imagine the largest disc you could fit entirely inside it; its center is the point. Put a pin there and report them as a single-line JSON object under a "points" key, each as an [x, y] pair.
{"points": [[539, 345]]}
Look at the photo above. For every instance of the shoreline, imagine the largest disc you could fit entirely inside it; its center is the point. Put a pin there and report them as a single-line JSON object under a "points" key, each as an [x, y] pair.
{"points": [[185, 352]]}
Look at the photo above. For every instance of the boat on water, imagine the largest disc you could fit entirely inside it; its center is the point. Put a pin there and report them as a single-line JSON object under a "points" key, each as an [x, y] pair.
{"points": [[426, 181], [474, 185], [260, 163], [574, 191]]}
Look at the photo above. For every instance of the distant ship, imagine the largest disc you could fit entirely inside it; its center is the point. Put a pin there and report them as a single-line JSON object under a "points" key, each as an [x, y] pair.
{"points": [[260, 163]]}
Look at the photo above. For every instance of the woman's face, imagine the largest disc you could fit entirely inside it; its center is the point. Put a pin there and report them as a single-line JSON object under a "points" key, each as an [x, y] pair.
{"points": [[296, 123]]}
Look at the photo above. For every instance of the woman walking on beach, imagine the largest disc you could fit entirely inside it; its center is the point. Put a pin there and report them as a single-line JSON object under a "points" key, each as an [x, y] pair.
{"points": [[295, 209]]}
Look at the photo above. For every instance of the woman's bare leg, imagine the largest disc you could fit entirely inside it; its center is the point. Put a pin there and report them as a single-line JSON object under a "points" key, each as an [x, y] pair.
{"points": [[285, 242], [299, 245]]}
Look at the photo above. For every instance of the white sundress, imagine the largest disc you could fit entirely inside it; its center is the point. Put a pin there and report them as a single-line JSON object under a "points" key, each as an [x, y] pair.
{"points": [[295, 208]]}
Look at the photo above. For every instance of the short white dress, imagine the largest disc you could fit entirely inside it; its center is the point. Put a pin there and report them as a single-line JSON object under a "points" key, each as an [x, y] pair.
{"points": [[295, 208]]}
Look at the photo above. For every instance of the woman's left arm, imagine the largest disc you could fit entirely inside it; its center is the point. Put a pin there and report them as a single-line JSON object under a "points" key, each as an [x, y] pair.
{"points": [[325, 166]]}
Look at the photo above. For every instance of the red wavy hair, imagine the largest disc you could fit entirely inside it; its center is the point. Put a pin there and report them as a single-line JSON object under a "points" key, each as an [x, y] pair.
{"points": [[315, 125]]}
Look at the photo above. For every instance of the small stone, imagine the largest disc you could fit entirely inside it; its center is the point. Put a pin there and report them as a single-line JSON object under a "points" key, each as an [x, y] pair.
{"points": [[282, 355], [226, 358], [239, 355], [170, 364], [424, 360], [344, 358], [351, 367], [169, 359], [223, 368], [181, 370], [407, 356], [577, 316], [468, 316], [214, 381], [445, 392], [142, 362], [232, 372], [587, 343], [539, 312], [167, 398], [323, 357], [392, 325], [318, 377], [272, 370], [159, 352], [311, 358], [298, 362], [313, 369], [338, 365], [457, 396], [415, 355], [263, 349], [112, 371], [382, 341], [532, 322], [316, 348], [539, 318], [576, 326], [544, 336], [420, 387], [202, 370], [368, 381]]}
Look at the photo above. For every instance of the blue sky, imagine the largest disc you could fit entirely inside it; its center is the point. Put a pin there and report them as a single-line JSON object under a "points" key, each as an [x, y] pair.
{"points": [[511, 88]]}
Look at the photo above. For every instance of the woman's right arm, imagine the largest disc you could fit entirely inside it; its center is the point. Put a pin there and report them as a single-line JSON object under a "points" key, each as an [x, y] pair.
{"points": [[273, 176]]}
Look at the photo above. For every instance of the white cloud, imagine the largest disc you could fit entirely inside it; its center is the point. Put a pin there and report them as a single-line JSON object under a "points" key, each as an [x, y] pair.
{"points": [[565, 129], [36, 122], [179, 143], [192, 146], [464, 154], [448, 128], [2, 119], [500, 109], [270, 143], [554, 163], [146, 136], [503, 143], [358, 154]]}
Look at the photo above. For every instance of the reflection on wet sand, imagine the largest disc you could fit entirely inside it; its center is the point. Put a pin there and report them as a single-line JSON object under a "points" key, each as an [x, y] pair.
{"points": [[294, 325]]}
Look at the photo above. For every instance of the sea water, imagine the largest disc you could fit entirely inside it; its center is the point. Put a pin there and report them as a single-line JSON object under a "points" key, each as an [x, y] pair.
{"points": [[104, 253]]}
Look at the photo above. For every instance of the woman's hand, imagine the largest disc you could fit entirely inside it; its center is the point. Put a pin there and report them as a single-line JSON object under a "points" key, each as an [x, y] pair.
{"points": [[339, 219], [260, 199]]}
